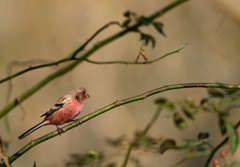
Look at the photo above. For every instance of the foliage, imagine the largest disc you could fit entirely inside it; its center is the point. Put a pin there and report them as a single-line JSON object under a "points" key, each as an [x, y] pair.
{"points": [[219, 102]]}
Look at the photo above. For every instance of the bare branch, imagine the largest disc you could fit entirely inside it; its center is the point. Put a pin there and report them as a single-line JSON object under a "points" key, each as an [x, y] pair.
{"points": [[134, 62], [71, 58]]}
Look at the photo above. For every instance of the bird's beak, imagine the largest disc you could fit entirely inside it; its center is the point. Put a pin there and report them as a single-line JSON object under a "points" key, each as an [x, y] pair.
{"points": [[88, 96]]}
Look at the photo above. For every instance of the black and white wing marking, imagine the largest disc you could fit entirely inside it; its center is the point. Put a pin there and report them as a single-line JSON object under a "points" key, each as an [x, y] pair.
{"points": [[62, 101]]}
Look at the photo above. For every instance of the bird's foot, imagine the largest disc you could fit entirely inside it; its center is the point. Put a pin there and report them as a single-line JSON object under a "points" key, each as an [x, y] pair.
{"points": [[60, 130]]}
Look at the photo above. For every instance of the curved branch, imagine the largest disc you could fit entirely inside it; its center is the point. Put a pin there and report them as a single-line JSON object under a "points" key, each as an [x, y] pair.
{"points": [[68, 68], [134, 27], [115, 104], [134, 62], [70, 58], [30, 68], [93, 36]]}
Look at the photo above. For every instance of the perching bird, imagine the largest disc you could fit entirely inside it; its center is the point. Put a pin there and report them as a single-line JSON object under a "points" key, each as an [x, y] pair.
{"points": [[65, 110]]}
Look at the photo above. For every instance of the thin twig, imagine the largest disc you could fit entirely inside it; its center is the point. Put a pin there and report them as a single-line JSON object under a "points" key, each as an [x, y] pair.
{"points": [[141, 135], [19, 63], [137, 63], [93, 36], [115, 104], [129, 29], [23, 111], [35, 67], [190, 156], [83, 57], [141, 53], [70, 58]]}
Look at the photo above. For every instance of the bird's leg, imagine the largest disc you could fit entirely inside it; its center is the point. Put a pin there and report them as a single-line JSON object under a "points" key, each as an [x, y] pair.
{"points": [[60, 130]]}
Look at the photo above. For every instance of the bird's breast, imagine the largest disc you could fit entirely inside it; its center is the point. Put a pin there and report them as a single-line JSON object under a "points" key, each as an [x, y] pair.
{"points": [[66, 113]]}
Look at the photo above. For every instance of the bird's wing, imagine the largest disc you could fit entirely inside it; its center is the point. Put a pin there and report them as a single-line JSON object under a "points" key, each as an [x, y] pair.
{"points": [[62, 101]]}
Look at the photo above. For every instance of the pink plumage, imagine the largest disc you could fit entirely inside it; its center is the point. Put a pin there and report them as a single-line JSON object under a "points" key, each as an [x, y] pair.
{"points": [[64, 110]]}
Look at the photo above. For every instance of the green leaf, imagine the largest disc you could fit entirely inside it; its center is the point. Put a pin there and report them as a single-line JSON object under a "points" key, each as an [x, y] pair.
{"points": [[179, 121], [215, 92], [203, 135], [126, 23], [144, 20], [193, 145], [84, 159], [168, 106], [204, 100], [230, 91], [165, 104], [223, 125], [188, 113], [127, 14], [147, 38], [233, 137], [166, 145], [34, 164], [159, 27], [190, 102], [161, 100], [118, 142]]}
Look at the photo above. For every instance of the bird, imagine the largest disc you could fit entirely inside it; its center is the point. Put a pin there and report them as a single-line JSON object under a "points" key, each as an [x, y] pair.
{"points": [[63, 111]]}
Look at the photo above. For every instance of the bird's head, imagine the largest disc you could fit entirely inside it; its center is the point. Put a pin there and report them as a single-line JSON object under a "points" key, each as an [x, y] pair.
{"points": [[80, 93]]}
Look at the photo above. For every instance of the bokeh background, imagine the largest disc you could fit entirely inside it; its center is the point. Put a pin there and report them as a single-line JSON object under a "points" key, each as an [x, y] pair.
{"points": [[51, 30]]}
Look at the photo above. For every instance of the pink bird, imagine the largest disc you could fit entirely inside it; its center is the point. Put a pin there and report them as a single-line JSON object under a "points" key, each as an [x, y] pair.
{"points": [[65, 110]]}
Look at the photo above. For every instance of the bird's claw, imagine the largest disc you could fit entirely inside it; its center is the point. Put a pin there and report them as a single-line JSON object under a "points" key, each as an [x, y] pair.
{"points": [[60, 130]]}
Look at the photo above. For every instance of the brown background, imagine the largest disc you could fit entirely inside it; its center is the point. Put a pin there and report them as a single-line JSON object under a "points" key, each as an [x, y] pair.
{"points": [[51, 30]]}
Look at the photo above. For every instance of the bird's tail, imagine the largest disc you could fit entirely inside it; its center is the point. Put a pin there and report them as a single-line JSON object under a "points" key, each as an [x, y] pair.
{"points": [[32, 129]]}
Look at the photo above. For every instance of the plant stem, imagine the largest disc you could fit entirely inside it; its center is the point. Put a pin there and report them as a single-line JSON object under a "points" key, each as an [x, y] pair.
{"points": [[141, 135]]}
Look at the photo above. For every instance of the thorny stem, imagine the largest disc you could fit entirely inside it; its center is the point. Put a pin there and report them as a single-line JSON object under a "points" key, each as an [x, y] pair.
{"points": [[115, 104]]}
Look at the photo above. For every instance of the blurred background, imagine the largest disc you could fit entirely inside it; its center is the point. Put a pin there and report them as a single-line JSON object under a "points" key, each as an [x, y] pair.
{"points": [[52, 30]]}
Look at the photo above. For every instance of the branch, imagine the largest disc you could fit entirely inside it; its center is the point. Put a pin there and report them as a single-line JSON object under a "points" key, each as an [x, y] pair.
{"points": [[70, 58], [141, 135], [93, 36], [190, 156], [137, 63], [71, 66], [215, 149], [115, 104]]}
